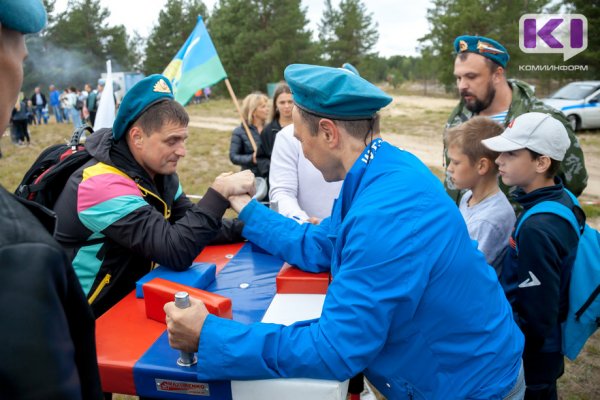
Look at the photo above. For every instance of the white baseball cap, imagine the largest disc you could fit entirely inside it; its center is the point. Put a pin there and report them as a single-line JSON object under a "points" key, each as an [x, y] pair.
{"points": [[535, 131]]}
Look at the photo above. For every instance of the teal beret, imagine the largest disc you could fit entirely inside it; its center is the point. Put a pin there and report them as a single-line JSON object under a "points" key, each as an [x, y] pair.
{"points": [[486, 47], [335, 93], [144, 94], [25, 16], [350, 68]]}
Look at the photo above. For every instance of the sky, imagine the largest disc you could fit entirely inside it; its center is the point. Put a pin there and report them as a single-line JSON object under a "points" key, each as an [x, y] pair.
{"points": [[401, 22]]}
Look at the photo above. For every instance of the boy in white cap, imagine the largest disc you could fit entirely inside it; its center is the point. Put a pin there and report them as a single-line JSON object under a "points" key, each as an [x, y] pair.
{"points": [[537, 268]]}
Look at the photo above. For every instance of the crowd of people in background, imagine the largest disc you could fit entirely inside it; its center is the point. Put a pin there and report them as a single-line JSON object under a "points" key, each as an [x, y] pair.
{"points": [[69, 105]]}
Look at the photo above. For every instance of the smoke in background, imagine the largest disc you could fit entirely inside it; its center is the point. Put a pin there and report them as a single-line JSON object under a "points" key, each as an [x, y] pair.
{"points": [[48, 64]]}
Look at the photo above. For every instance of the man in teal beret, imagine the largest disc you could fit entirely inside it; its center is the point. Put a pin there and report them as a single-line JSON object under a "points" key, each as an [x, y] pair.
{"points": [[48, 344], [480, 71], [411, 302], [125, 210]]}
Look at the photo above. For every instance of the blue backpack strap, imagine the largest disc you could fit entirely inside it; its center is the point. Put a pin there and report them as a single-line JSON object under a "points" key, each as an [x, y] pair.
{"points": [[552, 207]]}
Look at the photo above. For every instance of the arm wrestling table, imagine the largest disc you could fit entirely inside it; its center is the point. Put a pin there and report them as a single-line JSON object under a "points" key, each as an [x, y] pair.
{"points": [[134, 356]]}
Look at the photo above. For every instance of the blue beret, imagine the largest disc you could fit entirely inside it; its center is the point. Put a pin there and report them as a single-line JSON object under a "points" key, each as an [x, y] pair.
{"points": [[334, 93], [25, 16], [350, 68], [486, 47], [143, 95]]}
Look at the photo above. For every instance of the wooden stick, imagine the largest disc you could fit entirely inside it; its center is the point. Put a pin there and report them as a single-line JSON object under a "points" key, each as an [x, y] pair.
{"points": [[237, 106]]}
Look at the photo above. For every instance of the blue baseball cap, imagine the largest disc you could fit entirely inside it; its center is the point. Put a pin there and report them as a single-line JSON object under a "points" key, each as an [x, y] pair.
{"points": [[335, 93], [144, 94], [25, 16], [483, 46]]}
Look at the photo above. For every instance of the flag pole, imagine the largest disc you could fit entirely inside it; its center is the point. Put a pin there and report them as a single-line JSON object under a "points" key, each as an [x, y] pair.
{"points": [[237, 106]]}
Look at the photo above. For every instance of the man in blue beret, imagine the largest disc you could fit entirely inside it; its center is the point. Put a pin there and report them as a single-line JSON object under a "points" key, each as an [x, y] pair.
{"points": [[48, 347], [480, 71], [411, 303], [125, 210]]}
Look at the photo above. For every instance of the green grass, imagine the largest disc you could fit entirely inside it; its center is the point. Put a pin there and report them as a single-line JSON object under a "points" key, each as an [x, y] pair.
{"points": [[207, 156]]}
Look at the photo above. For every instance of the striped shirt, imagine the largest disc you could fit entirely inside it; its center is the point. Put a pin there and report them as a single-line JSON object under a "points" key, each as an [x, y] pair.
{"points": [[499, 118]]}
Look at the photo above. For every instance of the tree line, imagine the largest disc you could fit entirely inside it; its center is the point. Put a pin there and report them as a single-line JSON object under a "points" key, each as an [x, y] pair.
{"points": [[257, 39]]}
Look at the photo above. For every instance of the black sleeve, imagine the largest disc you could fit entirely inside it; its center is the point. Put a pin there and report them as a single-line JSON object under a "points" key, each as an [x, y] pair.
{"points": [[543, 243], [267, 140], [230, 231], [48, 329], [237, 150], [180, 207], [172, 244]]}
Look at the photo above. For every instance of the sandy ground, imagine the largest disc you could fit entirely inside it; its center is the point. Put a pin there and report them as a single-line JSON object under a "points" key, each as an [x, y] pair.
{"points": [[216, 123], [430, 152]]}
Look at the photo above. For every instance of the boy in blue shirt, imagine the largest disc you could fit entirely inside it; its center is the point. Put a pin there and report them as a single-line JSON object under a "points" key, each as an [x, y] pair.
{"points": [[537, 268], [485, 208]]}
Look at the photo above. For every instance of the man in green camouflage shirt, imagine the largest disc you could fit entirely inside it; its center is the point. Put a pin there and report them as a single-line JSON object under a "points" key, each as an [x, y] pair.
{"points": [[479, 69]]}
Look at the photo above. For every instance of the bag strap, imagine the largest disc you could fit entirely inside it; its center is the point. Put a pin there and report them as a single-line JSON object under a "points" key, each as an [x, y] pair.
{"points": [[556, 208], [551, 207], [78, 134]]}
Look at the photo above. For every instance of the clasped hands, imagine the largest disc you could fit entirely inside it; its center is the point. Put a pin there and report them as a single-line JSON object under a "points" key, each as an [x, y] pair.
{"points": [[237, 187], [184, 325]]}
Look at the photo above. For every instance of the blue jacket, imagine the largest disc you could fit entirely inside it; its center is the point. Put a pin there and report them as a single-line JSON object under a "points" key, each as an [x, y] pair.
{"points": [[536, 279], [412, 302]]}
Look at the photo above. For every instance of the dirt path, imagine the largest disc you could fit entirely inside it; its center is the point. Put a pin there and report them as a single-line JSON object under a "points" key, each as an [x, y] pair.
{"points": [[430, 152], [215, 123], [427, 143]]}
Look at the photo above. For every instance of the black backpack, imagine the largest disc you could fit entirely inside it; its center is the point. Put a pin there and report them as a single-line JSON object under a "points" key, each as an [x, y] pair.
{"points": [[46, 178]]}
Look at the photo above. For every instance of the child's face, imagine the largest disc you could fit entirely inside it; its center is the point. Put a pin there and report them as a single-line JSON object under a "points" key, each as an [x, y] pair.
{"points": [[517, 168], [463, 174]]}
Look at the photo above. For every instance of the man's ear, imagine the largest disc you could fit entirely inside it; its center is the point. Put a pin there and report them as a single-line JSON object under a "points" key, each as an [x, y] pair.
{"points": [[330, 132], [483, 166], [498, 75], [135, 137], [542, 164]]}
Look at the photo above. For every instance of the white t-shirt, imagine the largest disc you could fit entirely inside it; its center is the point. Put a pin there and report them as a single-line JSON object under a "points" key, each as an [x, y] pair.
{"points": [[296, 186], [489, 222]]}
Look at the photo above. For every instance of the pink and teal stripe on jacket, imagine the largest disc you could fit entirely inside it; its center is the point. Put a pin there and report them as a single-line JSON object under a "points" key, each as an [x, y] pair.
{"points": [[104, 196]]}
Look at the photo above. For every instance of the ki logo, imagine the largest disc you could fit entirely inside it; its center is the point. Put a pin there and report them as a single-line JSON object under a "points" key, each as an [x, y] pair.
{"points": [[553, 33]]}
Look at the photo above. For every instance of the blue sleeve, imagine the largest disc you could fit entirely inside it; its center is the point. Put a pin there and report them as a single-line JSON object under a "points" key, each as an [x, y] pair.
{"points": [[306, 246], [355, 322]]}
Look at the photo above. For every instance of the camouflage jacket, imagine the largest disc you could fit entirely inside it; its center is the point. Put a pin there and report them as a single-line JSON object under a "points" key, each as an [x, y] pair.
{"points": [[572, 169]]}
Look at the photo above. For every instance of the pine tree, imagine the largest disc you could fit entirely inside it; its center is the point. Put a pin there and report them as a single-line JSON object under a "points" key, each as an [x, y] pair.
{"points": [[591, 55], [175, 23], [257, 39], [347, 34]]}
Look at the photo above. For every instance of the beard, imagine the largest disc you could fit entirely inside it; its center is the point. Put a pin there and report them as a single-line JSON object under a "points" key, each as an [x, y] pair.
{"points": [[477, 105]]}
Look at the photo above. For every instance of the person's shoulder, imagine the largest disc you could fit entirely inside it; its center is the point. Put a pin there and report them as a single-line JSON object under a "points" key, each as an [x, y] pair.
{"points": [[543, 224], [272, 125], [18, 225], [239, 130]]}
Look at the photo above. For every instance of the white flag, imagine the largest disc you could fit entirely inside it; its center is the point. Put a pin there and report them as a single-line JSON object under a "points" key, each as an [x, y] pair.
{"points": [[105, 116]]}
